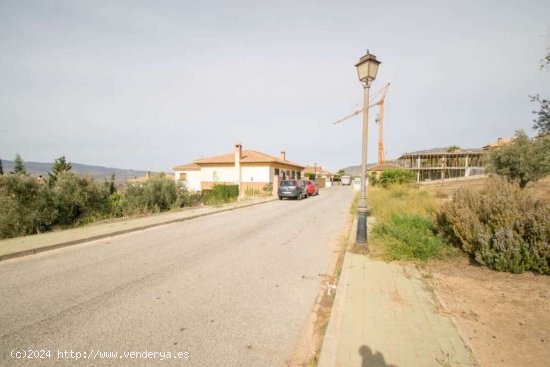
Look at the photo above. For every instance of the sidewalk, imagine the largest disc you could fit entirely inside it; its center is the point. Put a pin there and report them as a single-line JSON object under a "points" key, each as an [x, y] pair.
{"points": [[385, 315], [21, 246]]}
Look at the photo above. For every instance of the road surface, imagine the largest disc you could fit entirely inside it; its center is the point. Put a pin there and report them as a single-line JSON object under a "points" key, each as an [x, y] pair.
{"points": [[230, 289]]}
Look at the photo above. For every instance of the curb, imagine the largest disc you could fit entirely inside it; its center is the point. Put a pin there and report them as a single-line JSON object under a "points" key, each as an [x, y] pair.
{"points": [[329, 348], [119, 232]]}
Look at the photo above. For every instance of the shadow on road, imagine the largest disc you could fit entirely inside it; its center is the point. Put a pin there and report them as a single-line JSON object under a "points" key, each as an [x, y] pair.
{"points": [[371, 359]]}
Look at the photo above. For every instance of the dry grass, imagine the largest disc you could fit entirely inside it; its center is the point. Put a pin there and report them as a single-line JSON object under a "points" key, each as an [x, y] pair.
{"points": [[404, 227], [443, 191], [406, 199]]}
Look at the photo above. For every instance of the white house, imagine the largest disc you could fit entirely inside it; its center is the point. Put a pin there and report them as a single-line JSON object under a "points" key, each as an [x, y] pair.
{"points": [[249, 169]]}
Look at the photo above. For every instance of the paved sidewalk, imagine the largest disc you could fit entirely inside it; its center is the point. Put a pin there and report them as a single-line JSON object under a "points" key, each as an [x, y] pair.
{"points": [[21, 246], [384, 315]]}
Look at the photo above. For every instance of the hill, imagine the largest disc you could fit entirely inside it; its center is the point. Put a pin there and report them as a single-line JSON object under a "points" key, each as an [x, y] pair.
{"points": [[98, 172], [356, 170]]}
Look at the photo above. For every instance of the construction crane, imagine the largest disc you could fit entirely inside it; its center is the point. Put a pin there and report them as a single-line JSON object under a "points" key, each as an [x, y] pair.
{"points": [[378, 98]]}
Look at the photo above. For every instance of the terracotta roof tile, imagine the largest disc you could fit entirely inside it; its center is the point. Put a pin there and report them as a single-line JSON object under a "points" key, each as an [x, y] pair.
{"points": [[248, 156], [187, 167], [385, 167]]}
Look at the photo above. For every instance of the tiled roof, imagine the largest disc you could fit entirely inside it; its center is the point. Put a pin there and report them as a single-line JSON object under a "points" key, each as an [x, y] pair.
{"points": [[384, 167], [248, 156], [187, 167], [319, 170], [144, 179]]}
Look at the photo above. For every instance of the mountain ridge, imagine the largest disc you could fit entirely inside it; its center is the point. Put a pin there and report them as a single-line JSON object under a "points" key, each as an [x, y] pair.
{"points": [[98, 172]]}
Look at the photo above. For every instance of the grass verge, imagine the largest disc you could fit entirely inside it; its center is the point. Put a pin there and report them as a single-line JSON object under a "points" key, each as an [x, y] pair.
{"points": [[404, 228]]}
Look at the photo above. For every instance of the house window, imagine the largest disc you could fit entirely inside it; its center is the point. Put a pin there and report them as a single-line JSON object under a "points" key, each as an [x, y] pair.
{"points": [[183, 176]]}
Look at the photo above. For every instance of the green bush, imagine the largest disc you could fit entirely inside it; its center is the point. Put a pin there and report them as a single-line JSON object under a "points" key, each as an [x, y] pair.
{"points": [[25, 206], [30, 206], [220, 194], [184, 197], [373, 179], [79, 199], [410, 237], [157, 194], [500, 227], [396, 176]]}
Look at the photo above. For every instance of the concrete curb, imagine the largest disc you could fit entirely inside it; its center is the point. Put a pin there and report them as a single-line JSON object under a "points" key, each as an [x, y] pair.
{"points": [[119, 232], [329, 349]]}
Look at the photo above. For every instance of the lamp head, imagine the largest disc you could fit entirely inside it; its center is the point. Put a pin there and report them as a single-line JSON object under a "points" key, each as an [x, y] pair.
{"points": [[367, 67]]}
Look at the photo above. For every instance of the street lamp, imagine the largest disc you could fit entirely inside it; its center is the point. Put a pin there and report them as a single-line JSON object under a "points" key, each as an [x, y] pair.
{"points": [[367, 67], [315, 164]]}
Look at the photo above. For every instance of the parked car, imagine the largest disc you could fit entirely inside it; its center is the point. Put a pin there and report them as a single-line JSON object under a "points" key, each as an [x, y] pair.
{"points": [[292, 189], [311, 188]]}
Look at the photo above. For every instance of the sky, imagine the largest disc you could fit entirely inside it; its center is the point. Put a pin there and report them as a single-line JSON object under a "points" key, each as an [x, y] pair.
{"points": [[152, 84]]}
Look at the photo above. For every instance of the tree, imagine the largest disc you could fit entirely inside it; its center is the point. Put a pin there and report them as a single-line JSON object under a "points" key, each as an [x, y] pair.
{"points": [[453, 148], [59, 165], [19, 167], [1, 169], [111, 185], [395, 177], [545, 62], [341, 172], [525, 160], [542, 122]]}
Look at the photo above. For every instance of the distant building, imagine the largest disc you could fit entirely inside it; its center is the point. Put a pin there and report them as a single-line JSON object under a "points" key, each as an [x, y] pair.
{"points": [[319, 171], [139, 181], [499, 143], [441, 163], [250, 169], [379, 168]]}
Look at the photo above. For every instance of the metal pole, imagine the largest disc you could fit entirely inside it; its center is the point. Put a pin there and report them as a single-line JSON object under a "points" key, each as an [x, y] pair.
{"points": [[361, 238]]}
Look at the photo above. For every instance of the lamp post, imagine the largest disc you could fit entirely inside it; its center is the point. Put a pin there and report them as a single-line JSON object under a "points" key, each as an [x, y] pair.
{"points": [[315, 174], [367, 67]]}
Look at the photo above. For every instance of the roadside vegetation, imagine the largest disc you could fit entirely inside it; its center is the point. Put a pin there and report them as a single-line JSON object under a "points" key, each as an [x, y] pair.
{"points": [[30, 205], [500, 226], [505, 225], [404, 228]]}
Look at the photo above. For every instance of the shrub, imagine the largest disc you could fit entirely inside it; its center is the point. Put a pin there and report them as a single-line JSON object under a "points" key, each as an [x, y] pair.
{"points": [[79, 199], [25, 206], [266, 190], [373, 179], [157, 194], [396, 176], [500, 227], [220, 194], [184, 197], [410, 237]]}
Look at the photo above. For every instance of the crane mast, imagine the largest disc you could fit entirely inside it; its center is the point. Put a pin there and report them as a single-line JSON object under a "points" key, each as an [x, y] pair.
{"points": [[380, 102]]}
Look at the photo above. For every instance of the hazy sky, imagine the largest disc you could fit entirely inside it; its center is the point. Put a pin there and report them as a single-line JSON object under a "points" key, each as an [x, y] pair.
{"points": [[152, 84]]}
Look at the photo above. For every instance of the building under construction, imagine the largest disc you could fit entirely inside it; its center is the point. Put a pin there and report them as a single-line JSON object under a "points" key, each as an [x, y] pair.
{"points": [[442, 163]]}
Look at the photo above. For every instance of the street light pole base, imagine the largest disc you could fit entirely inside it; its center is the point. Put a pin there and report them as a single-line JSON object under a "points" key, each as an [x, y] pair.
{"points": [[361, 238]]}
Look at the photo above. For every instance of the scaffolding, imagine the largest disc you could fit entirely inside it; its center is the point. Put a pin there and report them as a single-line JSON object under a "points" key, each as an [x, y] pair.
{"points": [[438, 164]]}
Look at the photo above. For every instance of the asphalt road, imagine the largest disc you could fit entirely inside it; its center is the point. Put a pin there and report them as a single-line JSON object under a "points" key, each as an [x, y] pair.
{"points": [[230, 289]]}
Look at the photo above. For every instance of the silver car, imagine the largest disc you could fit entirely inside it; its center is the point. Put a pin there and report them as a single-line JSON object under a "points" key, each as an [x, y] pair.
{"points": [[292, 189]]}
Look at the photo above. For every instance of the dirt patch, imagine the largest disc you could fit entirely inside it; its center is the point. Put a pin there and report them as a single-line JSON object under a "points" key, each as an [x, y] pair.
{"points": [[503, 317]]}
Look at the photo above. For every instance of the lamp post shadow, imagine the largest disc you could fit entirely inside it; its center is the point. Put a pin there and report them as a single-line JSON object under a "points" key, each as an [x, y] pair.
{"points": [[371, 359]]}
